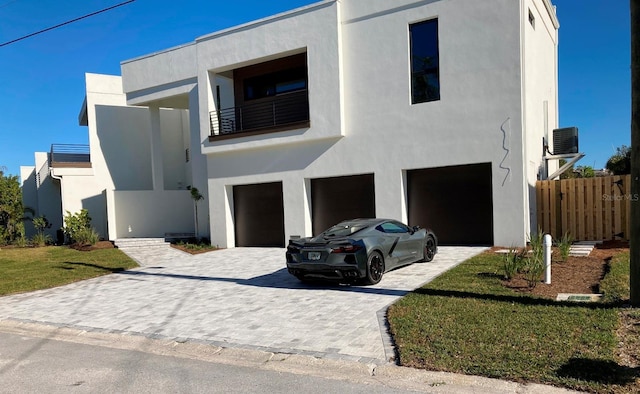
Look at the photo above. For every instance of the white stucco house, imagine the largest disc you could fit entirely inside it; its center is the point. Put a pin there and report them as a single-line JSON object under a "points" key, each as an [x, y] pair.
{"points": [[429, 112]]}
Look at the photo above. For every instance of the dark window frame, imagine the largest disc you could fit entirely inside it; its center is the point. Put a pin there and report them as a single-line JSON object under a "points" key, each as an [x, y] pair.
{"points": [[425, 61]]}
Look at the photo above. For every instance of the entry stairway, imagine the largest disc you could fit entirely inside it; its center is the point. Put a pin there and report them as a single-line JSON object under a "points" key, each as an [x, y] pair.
{"points": [[130, 243]]}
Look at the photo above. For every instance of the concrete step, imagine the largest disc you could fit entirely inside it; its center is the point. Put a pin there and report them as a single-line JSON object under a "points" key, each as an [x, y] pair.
{"points": [[582, 248], [123, 243]]}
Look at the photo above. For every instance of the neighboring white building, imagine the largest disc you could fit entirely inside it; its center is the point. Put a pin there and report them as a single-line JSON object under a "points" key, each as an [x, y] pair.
{"points": [[128, 189], [429, 112]]}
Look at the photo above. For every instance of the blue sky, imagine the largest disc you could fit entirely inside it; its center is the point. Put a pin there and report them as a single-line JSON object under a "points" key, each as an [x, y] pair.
{"points": [[42, 78]]}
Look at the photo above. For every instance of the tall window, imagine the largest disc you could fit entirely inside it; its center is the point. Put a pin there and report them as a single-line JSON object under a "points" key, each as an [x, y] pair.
{"points": [[425, 75]]}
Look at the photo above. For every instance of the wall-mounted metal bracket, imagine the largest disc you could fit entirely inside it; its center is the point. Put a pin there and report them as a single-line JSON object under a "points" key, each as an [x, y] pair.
{"points": [[572, 158]]}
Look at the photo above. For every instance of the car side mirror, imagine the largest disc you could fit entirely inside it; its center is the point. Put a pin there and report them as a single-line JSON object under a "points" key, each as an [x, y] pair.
{"points": [[415, 228]]}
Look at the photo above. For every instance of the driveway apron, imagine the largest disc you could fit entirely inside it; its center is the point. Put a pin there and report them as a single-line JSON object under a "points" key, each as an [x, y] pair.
{"points": [[240, 297]]}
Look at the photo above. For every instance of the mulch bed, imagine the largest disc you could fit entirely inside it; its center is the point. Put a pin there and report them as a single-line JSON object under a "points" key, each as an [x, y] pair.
{"points": [[191, 250], [577, 275]]}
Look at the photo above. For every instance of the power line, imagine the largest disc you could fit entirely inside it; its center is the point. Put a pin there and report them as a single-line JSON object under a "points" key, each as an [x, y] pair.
{"points": [[7, 3], [66, 23]]}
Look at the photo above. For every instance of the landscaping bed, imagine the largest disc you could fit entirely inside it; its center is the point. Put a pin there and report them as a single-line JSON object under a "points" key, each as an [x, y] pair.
{"points": [[470, 320], [577, 275]]}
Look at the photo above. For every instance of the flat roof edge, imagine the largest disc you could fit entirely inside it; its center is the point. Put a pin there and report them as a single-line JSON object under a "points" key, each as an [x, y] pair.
{"points": [[551, 10], [152, 54], [271, 18]]}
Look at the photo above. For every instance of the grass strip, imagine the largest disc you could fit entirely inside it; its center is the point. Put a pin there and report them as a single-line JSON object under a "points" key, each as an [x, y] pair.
{"points": [[29, 269], [615, 285], [465, 321]]}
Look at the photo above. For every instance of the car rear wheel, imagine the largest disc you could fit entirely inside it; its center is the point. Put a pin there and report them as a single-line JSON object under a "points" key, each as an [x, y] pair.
{"points": [[375, 268], [429, 249]]}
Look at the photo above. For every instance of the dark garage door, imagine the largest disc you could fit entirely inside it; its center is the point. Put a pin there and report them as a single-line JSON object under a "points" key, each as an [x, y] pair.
{"points": [[456, 202], [259, 215], [341, 198]]}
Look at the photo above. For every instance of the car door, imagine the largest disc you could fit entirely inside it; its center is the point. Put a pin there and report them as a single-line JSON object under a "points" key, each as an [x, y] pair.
{"points": [[407, 246]]}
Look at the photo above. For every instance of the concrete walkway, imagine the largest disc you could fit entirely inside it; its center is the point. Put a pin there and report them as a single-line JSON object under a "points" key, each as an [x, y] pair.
{"points": [[241, 298]]}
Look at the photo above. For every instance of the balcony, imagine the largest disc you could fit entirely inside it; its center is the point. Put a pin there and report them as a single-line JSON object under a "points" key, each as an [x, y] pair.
{"points": [[70, 156], [283, 112]]}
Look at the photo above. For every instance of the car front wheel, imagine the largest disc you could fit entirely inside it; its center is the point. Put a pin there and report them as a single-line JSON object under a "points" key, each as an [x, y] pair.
{"points": [[375, 268], [429, 249]]}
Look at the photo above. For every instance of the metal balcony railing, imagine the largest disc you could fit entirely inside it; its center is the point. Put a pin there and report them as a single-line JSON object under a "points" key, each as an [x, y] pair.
{"points": [[69, 155], [280, 111]]}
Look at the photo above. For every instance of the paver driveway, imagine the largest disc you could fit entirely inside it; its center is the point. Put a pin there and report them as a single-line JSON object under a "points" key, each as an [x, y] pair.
{"points": [[240, 297]]}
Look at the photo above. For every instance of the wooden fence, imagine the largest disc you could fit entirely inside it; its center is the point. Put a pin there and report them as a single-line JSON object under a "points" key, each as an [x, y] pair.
{"points": [[590, 209]]}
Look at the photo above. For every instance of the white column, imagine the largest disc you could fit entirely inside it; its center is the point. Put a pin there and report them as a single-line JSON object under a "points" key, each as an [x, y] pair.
{"points": [[157, 170]]}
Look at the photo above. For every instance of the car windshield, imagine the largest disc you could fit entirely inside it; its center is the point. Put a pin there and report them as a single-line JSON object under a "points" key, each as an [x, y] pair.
{"points": [[343, 230]]}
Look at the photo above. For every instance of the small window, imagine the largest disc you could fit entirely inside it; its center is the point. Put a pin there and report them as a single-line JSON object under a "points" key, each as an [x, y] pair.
{"points": [[425, 63], [392, 228], [532, 19], [187, 155]]}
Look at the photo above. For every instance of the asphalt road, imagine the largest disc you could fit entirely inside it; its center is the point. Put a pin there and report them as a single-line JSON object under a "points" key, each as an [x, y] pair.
{"points": [[29, 365], [37, 358]]}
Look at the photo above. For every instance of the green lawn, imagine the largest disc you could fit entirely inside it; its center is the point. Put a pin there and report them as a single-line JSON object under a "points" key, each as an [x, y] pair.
{"points": [[465, 321], [28, 269]]}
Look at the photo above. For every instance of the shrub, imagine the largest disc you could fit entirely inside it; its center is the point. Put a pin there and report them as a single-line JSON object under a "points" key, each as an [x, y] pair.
{"points": [[21, 241], [533, 269], [41, 239], [77, 227], [512, 262], [535, 241], [87, 236], [564, 245]]}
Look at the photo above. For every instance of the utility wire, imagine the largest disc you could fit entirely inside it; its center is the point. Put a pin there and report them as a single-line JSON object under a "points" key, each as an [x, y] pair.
{"points": [[66, 23], [7, 3]]}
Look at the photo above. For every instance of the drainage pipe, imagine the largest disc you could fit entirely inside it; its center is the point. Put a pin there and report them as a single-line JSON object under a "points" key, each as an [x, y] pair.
{"points": [[546, 244]]}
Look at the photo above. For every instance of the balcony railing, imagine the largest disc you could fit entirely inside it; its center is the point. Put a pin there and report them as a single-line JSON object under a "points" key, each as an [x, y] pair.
{"points": [[275, 114], [69, 155]]}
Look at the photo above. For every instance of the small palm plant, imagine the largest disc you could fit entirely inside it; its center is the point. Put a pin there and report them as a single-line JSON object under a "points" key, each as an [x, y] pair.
{"points": [[196, 196], [564, 245], [41, 223]]}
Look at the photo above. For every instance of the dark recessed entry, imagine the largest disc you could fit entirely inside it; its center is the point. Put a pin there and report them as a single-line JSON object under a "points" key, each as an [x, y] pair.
{"points": [[341, 198], [259, 215], [456, 202]]}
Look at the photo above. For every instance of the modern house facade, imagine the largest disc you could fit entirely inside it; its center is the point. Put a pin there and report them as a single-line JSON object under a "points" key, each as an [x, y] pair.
{"points": [[429, 112]]}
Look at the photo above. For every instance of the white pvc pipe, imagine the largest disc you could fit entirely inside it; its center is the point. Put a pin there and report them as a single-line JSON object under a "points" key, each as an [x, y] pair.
{"points": [[546, 243]]}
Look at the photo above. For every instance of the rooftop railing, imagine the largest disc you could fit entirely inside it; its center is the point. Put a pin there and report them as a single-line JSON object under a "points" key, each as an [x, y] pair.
{"points": [[69, 155]]}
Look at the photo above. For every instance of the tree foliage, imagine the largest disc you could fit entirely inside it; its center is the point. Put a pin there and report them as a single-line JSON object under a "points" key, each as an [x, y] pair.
{"points": [[620, 162], [11, 209]]}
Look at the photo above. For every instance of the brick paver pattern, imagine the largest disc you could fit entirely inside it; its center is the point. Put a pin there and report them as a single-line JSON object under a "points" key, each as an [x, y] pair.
{"points": [[240, 297]]}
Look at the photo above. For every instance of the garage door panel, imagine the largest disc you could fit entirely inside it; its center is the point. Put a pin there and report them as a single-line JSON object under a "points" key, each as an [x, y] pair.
{"points": [[259, 215], [341, 198], [456, 202]]}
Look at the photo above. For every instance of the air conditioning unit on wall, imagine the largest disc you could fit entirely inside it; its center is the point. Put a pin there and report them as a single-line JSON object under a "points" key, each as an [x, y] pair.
{"points": [[565, 141]]}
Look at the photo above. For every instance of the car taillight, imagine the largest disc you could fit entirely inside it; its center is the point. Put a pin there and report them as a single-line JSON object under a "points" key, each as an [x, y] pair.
{"points": [[346, 249]]}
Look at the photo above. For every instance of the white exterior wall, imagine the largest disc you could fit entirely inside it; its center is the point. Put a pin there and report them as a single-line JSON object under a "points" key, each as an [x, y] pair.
{"points": [[79, 189], [122, 147], [29, 194], [314, 30], [540, 94], [494, 77], [142, 214]]}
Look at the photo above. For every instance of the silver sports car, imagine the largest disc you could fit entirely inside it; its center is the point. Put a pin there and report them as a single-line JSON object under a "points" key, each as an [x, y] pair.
{"points": [[359, 250]]}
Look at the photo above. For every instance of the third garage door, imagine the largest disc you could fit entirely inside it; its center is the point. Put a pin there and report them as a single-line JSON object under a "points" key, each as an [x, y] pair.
{"points": [[456, 202]]}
